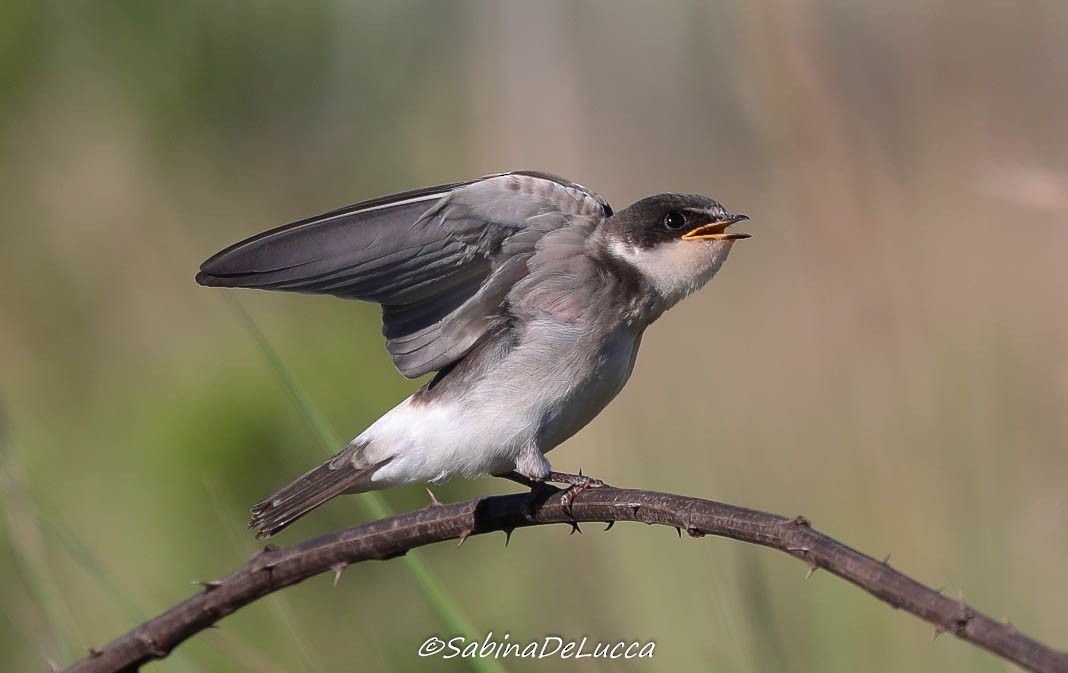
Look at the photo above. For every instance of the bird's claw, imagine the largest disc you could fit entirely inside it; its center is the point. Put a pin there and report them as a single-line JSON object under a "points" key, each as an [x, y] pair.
{"points": [[579, 480], [578, 483]]}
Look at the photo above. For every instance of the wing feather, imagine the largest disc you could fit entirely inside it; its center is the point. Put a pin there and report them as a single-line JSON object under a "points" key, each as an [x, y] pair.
{"points": [[441, 261]]}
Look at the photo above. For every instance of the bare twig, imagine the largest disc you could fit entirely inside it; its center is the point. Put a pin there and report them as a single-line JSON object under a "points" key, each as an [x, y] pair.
{"points": [[272, 568]]}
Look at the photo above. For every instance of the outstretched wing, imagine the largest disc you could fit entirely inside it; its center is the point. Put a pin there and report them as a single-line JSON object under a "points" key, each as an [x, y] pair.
{"points": [[440, 260]]}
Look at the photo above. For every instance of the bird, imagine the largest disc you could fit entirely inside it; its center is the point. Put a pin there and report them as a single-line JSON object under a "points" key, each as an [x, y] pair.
{"points": [[523, 293]]}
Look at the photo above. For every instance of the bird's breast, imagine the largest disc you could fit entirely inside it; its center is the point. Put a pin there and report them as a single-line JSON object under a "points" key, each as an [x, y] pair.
{"points": [[553, 382], [584, 383]]}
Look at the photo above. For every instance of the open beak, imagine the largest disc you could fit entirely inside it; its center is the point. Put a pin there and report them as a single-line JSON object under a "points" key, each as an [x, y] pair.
{"points": [[716, 231]]}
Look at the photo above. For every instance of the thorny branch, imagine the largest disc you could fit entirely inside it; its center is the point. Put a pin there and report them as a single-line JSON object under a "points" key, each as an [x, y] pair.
{"points": [[272, 569]]}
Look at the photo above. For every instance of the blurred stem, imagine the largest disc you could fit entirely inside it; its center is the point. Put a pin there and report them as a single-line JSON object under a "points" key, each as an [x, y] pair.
{"points": [[43, 588], [448, 611], [278, 606], [36, 573], [33, 571]]}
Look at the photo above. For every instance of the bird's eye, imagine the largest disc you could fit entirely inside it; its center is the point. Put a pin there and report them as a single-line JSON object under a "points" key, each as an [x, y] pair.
{"points": [[674, 221]]}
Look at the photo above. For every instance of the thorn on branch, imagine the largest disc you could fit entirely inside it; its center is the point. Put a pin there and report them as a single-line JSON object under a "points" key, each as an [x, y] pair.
{"points": [[337, 568], [434, 502], [609, 526], [267, 549], [209, 585], [575, 528], [886, 561], [679, 531], [811, 569], [463, 538], [507, 535], [93, 653], [801, 521], [938, 630]]}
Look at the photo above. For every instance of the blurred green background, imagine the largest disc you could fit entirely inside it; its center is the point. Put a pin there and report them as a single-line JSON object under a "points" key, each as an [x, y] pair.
{"points": [[887, 356]]}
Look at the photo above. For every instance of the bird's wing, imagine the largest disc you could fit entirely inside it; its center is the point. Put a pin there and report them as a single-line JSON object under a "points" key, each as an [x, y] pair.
{"points": [[440, 261]]}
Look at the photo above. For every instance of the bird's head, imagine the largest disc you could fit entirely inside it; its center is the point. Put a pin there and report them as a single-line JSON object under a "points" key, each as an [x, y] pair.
{"points": [[675, 242]]}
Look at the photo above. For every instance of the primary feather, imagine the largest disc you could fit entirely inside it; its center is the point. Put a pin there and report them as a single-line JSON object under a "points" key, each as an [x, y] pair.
{"points": [[440, 261]]}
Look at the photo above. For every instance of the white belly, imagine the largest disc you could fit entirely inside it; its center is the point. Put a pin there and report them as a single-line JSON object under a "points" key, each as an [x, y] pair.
{"points": [[541, 393]]}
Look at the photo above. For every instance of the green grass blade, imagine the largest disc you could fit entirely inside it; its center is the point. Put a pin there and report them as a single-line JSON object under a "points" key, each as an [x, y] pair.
{"points": [[42, 587], [450, 614], [276, 602], [37, 577]]}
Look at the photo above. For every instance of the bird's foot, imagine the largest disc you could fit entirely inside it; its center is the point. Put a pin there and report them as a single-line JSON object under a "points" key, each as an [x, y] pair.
{"points": [[541, 488], [580, 480], [577, 484]]}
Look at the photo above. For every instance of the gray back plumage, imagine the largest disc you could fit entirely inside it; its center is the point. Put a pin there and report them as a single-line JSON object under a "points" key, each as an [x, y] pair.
{"points": [[441, 261]]}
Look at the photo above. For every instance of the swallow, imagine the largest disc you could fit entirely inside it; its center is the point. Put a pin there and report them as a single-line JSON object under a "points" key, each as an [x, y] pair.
{"points": [[524, 294]]}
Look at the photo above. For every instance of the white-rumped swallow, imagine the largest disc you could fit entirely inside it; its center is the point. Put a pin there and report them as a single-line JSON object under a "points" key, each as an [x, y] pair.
{"points": [[524, 293]]}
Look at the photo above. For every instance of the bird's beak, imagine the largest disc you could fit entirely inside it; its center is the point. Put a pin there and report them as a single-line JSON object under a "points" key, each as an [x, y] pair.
{"points": [[717, 231]]}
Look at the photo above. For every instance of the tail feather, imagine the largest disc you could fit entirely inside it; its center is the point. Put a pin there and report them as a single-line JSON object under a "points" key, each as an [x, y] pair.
{"points": [[314, 488]]}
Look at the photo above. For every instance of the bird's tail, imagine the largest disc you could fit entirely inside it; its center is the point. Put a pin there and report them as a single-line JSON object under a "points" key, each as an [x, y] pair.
{"points": [[337, 475]]}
